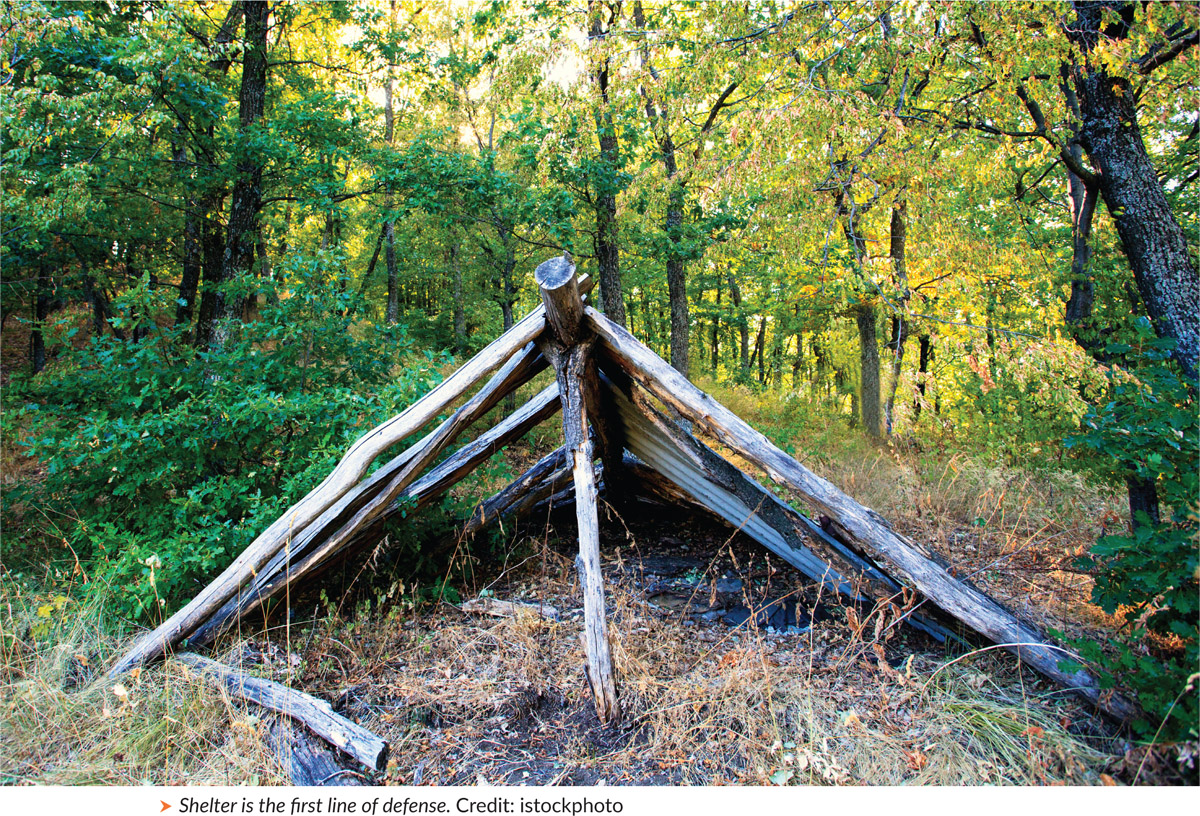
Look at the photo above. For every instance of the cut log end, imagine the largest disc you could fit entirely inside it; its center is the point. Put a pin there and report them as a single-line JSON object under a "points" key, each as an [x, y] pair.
{"points": [[562, 299], [554, 273]]}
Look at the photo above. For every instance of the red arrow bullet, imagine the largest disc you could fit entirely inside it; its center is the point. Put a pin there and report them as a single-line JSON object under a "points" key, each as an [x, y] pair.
{"points": [[164, 805]]}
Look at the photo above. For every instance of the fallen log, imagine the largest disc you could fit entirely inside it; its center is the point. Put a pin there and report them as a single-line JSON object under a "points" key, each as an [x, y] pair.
{"points": [[508, 609], [902, 559], [350, 737], [307, 760]]}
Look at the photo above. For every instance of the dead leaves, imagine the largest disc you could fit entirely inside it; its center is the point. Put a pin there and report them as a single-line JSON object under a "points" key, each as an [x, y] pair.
{"points": [[916, 759]]}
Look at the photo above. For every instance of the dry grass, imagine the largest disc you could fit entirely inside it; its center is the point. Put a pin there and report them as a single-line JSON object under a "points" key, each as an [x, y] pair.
{"points": [[64, 726], [464, 698]]}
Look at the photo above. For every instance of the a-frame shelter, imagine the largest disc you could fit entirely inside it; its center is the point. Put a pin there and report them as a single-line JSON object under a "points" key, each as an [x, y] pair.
{"points": [[623, 405]]}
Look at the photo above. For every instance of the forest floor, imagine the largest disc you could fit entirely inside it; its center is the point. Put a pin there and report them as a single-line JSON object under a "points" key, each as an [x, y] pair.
{"points": [[733, 668]]}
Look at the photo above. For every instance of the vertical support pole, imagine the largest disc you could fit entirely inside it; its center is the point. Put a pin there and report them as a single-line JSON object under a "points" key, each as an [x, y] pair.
{"points": [[575, 428], [570, 352]]}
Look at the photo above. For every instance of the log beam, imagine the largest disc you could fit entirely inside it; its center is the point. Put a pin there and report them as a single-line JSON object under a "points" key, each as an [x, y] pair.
{"points": [[568, 347], [578, 443], [286, 568], [545, 478]]}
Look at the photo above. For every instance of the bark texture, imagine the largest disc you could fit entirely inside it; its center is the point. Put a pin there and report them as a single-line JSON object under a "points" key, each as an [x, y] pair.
{"points": [[608, 260], [1153, 240]]}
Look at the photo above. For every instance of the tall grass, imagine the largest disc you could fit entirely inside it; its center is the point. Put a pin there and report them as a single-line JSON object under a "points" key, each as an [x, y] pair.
{"points": [[63, 724]]}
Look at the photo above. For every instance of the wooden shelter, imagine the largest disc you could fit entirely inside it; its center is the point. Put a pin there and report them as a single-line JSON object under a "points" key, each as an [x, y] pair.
{"points": [[623, 405]]}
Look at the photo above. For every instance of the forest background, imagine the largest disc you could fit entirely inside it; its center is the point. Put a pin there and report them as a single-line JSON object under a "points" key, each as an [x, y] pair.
{"points": [[235, 235]]}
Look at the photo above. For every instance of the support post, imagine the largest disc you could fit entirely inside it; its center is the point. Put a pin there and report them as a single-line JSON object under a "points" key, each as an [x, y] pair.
{"points": [[570, 353]]}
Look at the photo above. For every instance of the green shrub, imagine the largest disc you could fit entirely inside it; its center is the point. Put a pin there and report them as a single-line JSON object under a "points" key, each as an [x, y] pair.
{"points": [[167, 461], [1149, 430]]}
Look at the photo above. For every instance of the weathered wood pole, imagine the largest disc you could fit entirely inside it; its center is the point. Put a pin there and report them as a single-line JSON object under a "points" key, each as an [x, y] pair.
{"points": [[366, 747], [569, 349]]}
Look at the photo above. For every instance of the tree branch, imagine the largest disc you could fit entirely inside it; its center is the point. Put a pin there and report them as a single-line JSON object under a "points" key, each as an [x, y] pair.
{"points": [[1163, 53]]}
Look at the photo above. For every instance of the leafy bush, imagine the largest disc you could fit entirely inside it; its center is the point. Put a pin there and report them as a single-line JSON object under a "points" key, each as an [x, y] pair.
{"points": [[1149, 429], [168, 460]]}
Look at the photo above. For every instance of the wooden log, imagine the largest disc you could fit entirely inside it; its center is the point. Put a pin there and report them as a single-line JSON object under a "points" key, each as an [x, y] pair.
{"points": [[508, 609], [578, 443], [287, 567], [903, 560], [367, 748], [307, 760], [548, 473], [535, 499], [561, 299], [450, 472]]}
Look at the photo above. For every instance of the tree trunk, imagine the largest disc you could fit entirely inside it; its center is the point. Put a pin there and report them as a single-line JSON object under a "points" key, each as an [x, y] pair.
{"points": [[1143, 498], [189, 279], [392, 314], [1081, 197], [393, 276], [798, 360], [716, 329], [41, 310], [759, 352], [899, 232], [1151, 236], [865, 316], [676, 270], [777, 358], [822, 362], [460, 314], [247, 189], [925, 353], [213, 240], [365, 281], [608, 260], [508, 289], [743, 326]]}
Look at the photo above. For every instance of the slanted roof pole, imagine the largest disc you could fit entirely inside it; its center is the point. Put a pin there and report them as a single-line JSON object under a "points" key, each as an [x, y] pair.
{"points": [[569, 348]]}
